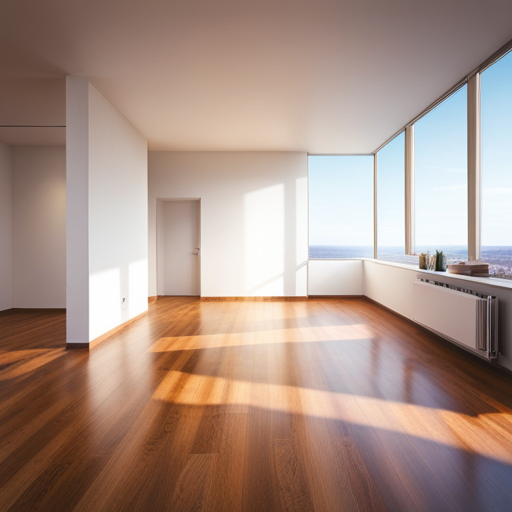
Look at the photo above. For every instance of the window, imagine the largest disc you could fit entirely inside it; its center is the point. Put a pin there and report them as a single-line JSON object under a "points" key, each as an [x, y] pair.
{"points": [[496, 101], [341, 206], [391, 202], [441, 179]]}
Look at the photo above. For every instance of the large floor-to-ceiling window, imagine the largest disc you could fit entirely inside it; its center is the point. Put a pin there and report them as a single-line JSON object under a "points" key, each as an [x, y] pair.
{"points": [[341, 206], [391, 201], [496, 101], [421, 189], [440, 146]]}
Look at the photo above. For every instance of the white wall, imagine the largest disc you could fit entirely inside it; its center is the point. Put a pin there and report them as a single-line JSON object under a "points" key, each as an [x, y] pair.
{"points": [[253, 218], [335, 277], [107, 215], [5, 227], [392, 286], [39, 227], [159, 265]]}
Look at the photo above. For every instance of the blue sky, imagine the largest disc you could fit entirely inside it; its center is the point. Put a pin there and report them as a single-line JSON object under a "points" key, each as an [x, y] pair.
{"points": [[497, 153], [341, 187], [441, 174], [341, 200], [391, 194]]}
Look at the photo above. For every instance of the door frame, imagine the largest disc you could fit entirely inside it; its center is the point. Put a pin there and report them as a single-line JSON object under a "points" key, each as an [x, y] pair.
{"points": [[159, 242]]}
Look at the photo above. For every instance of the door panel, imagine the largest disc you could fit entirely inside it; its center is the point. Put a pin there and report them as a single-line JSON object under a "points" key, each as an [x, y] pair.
{"points": [[180, 248]]}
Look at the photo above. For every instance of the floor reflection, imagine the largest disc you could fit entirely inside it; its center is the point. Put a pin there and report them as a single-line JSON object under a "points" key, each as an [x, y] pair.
{"points": [[324, 405]]}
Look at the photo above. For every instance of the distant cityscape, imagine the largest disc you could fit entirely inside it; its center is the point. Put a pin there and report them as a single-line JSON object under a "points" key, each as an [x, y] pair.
{"points": [[498, 257]]}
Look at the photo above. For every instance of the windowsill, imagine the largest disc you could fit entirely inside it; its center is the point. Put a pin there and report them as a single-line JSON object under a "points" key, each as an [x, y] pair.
{"points": [[338, 259], [490, 281]]}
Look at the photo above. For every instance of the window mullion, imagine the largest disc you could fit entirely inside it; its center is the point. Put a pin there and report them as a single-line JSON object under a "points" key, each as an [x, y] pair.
{"points": [[375, 199], [474, 169], [409, 190]]}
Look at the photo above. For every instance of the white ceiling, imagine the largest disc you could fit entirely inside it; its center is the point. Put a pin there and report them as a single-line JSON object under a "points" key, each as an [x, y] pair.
{"points": [[324, 76]]}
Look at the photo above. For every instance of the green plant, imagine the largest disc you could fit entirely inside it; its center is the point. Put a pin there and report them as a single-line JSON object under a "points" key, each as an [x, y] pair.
{"points": [[439, 261]]}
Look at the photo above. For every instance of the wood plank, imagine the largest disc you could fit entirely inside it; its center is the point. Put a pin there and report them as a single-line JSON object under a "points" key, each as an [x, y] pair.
{"points": [[293, 487], [194, 486]]}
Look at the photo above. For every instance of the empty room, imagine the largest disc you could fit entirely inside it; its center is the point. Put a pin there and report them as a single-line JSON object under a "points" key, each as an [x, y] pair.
{"points": [[255, 256]]}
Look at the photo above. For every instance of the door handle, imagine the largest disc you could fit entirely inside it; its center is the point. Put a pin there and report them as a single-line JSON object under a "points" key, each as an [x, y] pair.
{"points": [[196, 249]]}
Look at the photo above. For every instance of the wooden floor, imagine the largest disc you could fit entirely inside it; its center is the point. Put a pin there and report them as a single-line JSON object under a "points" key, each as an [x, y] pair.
{"points": [[326, 405]]}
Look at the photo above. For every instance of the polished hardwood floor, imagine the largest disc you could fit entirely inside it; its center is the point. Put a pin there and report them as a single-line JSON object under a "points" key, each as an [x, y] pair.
{"points": [[326, 405]]}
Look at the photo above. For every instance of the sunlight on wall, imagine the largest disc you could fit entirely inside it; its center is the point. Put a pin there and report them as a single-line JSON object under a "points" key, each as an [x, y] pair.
{"points": [[159, 247], [57, 202], [137, 288], [104, 302], [264, 212], [301, 236]]}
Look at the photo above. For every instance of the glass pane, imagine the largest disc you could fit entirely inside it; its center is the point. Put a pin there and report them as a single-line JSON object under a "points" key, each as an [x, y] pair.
{"points": [[341, 206], [497, 167], [391, 202], [441, 179]]}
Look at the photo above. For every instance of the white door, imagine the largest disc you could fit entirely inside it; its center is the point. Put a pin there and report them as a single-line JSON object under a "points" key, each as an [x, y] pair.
{"points": [[181, 247]]}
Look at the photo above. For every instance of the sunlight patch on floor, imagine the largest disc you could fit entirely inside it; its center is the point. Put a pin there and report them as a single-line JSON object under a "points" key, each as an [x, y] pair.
{"points": [[290, 335], [435, 425], [26, 361]]}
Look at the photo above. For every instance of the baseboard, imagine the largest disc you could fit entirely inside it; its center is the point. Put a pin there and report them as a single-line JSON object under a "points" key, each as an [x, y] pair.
{"points": [[336, 296], [178, 296], [96, 341], [37, 310], [253, 299], [71, 346]]}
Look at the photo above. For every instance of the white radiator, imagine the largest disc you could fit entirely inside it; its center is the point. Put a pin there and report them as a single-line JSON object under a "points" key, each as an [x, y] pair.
{"points": [[463, 316]]}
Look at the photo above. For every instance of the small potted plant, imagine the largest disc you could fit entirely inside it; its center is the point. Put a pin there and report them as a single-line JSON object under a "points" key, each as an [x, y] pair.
{"points": [[440, 261]]}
